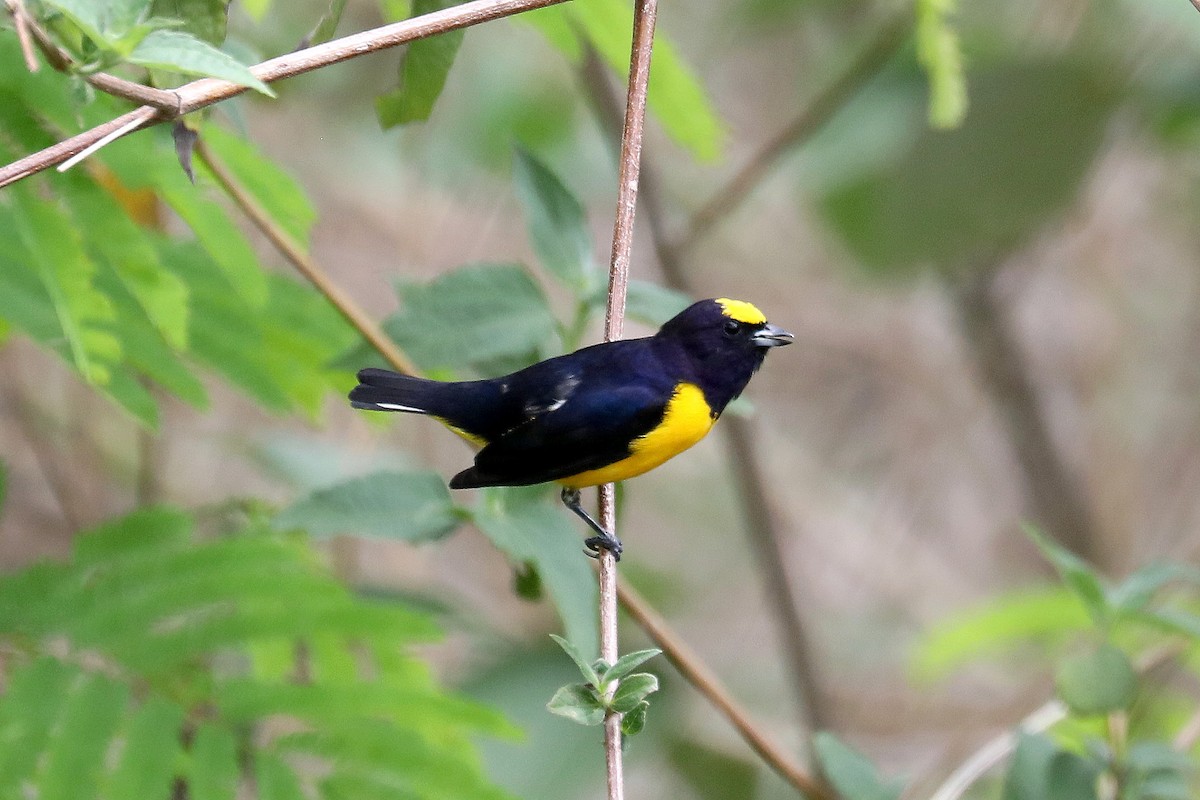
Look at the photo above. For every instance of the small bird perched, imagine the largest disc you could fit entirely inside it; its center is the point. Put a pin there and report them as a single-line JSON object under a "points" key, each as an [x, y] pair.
{"points": [[599, 415]]}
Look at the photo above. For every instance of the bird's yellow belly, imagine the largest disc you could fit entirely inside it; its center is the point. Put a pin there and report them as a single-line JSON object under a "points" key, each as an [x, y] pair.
{"points": [[687, 420]]}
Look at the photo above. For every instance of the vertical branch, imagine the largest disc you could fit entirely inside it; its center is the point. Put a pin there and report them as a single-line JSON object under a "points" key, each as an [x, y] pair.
{"points": [[644, 16]]}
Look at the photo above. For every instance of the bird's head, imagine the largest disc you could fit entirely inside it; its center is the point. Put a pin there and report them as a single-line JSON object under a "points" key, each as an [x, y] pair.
{"points": [[726, 341]]}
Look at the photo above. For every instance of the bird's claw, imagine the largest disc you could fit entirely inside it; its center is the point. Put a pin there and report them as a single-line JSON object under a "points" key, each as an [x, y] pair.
{"points": [[605, 542]]}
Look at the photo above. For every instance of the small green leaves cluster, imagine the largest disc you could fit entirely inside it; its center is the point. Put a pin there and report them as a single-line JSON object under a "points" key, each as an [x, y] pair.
{"points": [[606, 689], [155, 662], [1116, 716], [170, 35]]}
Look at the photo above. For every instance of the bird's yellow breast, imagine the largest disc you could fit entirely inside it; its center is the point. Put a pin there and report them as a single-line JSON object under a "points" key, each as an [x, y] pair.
{"points": [[687, 420]]}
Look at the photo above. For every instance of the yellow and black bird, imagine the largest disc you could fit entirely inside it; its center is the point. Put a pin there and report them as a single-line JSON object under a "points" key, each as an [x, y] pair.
{"points": [[599, 415]]}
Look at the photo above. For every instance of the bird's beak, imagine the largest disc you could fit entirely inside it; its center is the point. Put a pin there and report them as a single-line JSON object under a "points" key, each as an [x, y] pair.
{"points": [[772, 336]]}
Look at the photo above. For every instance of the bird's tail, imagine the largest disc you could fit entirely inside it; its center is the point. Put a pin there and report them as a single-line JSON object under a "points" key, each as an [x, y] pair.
{"points": [[384, 390]]}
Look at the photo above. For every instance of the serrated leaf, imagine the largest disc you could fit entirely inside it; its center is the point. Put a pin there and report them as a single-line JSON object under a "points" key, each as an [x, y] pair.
{"points": [[850, 772], [279, 194], [183, 52], [54, 249], [634, 720], [577, 703], [74, 757], [557, 223], [204, 19], [629, 662], [149, 746], [214, 766], [101, 22], [1099, 682], [529, 525], [414, 506], [632, 690], [423, 73], [586, 669], [472, 316]]}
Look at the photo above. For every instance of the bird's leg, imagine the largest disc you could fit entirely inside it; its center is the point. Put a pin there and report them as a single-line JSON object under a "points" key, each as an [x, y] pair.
{"points": [[603, 540]]}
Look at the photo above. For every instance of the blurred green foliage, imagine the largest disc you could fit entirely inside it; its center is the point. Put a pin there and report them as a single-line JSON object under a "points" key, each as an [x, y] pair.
{"points": [[158, 661]]}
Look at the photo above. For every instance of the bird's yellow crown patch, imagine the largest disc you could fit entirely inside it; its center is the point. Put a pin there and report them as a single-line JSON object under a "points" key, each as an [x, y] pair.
{"points": [[741, 311]]}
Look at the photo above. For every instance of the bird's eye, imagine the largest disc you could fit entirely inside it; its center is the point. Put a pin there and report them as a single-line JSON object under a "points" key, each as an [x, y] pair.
{"points": [[732, 327]]}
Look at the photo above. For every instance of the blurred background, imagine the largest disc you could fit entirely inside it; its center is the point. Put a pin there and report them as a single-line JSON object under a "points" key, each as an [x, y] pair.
{"points": [[995, 323]]}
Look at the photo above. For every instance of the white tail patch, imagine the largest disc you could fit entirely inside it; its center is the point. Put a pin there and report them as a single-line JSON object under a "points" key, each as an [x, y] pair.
{"points": [[398, 407]]}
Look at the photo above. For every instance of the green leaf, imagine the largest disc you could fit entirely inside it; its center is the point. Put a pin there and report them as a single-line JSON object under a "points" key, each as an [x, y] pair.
{"points": [[257, 9], [472, 316], [414, 506], [275, 780], [955, 197], [326, 26], [850, 773], [423, 73], [150, 745], [52, 246], [632, 690], [75, 755], [1136, 591], [676, 97], [102, 22], [29, 710], [589, 673], [183, 52], [557, 223], [653, 304], [711, 772], [1040, 770], [634, 720], [529, 525], [1099, 682], [629, 662], [1002, 623], [577, 703], [204, 19], [214, 765], [1075, 573], [940, 54], [279, 194]]}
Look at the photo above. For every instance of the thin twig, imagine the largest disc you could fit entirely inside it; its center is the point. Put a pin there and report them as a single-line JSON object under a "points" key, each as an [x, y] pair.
{"points": [[694, 670], [645, 14], [883, 45], [206, 91], [765, 538], [22, 23], [304, 263], [1196, 3], [996, 750]]}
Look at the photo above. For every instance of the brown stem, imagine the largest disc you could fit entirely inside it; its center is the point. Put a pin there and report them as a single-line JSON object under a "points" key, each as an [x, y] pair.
{"points": [[22, 23], [693, 668], [1056, 500], [1196, 3], [645, 14], [887, 40], [304, 263], [766, 539], [206, 91]]}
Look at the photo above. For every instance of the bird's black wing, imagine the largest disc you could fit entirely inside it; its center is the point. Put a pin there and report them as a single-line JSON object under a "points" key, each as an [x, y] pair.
{"points": [[591, 429]]}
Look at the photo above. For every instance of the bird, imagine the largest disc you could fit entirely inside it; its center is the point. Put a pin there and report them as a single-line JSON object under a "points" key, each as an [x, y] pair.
{"points": [[598, 415]]}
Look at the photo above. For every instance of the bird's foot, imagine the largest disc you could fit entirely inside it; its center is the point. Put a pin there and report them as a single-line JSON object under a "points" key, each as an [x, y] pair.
{"points": [[605, 542]]}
